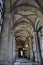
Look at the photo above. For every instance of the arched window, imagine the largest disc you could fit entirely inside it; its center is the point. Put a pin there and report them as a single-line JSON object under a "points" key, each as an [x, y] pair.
{"points": [[1, 14]]}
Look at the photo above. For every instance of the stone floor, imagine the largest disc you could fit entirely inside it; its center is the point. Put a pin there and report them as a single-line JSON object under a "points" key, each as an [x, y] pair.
{"points": [[20, 61], [24, 61]]}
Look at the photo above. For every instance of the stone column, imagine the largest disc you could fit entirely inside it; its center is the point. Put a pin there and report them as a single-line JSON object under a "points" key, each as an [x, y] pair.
{"points": [[31, 52], [7, 6], [35, 48], [5, 39], [10, 47], [14, 48], [41, 45]]}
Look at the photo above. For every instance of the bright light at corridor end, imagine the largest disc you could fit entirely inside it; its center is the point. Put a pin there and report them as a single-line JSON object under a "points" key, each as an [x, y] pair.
{"points": [[26, 45]]}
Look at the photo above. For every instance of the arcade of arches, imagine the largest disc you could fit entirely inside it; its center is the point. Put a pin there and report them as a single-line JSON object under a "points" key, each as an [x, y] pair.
{"points": [[22, 30]]}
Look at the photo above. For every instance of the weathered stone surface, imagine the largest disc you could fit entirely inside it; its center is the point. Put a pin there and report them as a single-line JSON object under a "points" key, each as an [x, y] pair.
{"points": [[6, 40], [7, 6]]}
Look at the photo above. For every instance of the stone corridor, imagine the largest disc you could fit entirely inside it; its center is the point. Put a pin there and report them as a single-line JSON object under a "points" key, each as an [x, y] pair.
{"points": [[21, 32]]}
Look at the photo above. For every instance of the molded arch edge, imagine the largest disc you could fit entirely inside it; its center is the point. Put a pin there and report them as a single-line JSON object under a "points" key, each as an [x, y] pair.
{"points": [[24, 8], [23, 20]]}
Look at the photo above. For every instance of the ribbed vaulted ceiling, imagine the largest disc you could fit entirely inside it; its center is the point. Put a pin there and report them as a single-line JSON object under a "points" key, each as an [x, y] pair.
{"points": [[25, 15], [24, 23]]}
